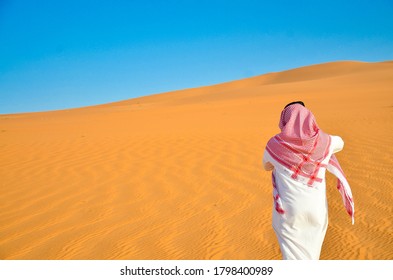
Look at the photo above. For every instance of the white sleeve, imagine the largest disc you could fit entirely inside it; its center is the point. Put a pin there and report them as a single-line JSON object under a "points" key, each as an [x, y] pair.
{"points": [[337, 144], [267, 165]]}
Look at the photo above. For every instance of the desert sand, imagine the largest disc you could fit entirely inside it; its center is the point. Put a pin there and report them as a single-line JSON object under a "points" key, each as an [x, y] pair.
{"points": [[179, 175]]}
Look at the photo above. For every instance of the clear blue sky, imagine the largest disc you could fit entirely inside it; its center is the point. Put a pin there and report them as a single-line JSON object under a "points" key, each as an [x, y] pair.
{"points": [[66, 54]]}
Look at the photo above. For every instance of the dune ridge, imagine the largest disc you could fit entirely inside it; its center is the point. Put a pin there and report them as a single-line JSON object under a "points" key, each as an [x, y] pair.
{"points": [[178, 175]]}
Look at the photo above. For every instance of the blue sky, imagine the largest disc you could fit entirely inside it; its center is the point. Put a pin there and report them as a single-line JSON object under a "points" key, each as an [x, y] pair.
{"points": [[67, 54]]}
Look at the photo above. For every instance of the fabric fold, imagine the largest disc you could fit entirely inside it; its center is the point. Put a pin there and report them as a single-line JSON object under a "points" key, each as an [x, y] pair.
{"points": [[342, 186]]}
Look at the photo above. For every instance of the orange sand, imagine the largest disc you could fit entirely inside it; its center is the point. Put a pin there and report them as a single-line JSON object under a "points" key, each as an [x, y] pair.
{"points": [[178, 175]]}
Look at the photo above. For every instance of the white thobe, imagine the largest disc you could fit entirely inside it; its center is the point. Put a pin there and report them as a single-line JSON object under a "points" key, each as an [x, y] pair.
{"points": [[302, 228]]}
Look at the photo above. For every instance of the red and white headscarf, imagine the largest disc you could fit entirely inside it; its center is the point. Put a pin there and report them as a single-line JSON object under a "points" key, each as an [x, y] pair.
{"points": [[301, 148]]}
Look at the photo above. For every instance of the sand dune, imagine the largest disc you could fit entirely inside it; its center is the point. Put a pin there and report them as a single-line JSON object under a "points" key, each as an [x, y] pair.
{"points": [[178, 175]]}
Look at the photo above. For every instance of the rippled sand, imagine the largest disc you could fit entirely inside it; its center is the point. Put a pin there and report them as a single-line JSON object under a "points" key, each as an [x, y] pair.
{"points": [[178, 175]]}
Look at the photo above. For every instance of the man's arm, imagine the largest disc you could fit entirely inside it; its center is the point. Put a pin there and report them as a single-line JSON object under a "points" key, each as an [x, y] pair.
{"points": [[266, 164]]}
